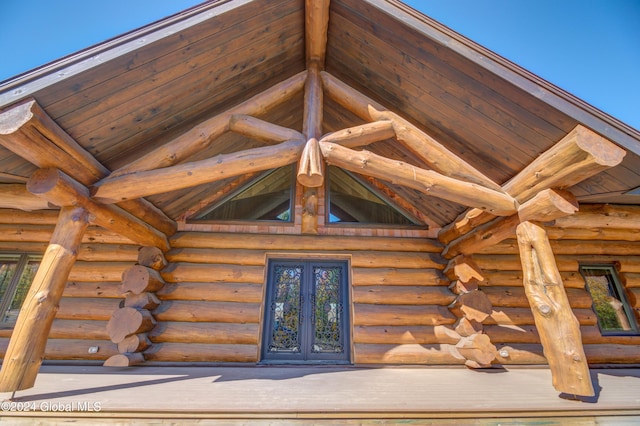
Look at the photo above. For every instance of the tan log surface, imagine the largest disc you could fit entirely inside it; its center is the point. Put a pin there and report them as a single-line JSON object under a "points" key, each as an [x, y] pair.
{"points": [[72, 349], [198, 311], [27, 345], [403, 295], [558, 327], [98, 271], [212, 292], [91, 308], [124, 360], [205, 332], [398, 334], [514, 297], [201, 352], [523, 316], [439, 354], [16, 196], [134, 343], [152, 257], [195, 272], [426, 181], [138, 279], [74, 329], [127, 321], [364, 314]]}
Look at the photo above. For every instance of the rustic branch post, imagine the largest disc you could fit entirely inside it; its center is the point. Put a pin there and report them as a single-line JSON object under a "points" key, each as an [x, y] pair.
{"points": [[557, 326], [27, 345]]}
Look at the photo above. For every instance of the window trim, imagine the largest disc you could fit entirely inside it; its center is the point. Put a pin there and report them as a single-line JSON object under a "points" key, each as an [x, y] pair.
{"points": [[621, 293]]}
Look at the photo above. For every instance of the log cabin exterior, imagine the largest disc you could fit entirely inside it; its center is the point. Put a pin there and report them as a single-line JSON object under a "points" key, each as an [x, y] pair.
{"points": [[417, 198]]}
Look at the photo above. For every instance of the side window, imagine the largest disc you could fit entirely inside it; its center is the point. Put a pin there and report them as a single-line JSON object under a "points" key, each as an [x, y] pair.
{"points": [[610, 303], [16, 274]]}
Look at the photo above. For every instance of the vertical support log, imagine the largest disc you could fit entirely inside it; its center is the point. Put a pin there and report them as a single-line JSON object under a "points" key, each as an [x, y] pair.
{"points": [[557, 326], [310, 170], [26, 347]]}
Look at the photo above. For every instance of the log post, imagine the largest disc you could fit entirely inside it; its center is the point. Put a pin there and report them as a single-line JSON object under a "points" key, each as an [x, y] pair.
{"points": [[26, 348], [557, 325], [310, 170]]}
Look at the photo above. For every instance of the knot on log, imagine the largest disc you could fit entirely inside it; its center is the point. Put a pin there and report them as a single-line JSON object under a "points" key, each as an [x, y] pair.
{"points": [[42, 296], [544, 309]]}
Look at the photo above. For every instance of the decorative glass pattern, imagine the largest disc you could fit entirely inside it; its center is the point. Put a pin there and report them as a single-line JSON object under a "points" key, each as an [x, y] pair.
{"points": [[286, 309], [327, 310]]}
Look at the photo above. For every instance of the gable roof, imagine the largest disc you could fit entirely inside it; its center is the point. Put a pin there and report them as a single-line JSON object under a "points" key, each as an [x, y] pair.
{"points": [[130, 95]]}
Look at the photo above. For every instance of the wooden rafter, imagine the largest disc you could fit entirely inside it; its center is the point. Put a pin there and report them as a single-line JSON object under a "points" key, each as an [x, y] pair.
{"points": [[261, 130], [28, 131], [16, 196], [425, 147], [186, 175], [578, 156], [362, 135], [200, 136], [427, 181], [310, 170], [61, 190], [316, 27]]}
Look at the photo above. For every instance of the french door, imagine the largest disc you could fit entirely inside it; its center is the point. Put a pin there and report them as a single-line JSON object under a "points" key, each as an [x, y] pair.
{"points": [[306, 312]]}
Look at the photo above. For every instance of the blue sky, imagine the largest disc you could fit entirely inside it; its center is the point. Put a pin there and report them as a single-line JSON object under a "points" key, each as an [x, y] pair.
{"points": [[590, 48]]}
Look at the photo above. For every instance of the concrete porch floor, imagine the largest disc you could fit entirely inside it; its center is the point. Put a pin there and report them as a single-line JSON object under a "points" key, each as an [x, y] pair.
{"points": [[315, 394]]}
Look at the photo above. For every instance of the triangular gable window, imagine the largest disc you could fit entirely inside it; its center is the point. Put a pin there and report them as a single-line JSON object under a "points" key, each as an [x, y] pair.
{"points": [[351, 201], [267, 198]]}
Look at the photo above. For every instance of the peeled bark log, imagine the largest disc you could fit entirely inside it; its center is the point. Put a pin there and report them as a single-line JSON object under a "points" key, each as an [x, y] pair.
{"points": [[138, 279], [134, 343], [407, 354], [124, 360], [29, 339], [478, 350], [362, 135], [316, 27], [152, 257], [401, 315], [466, 327], [403, 295], [205, 332], [262, 130], [144, 300], [423, 334], [463, 268], [16, 196], [201, 352], [558, 328], [127, 321], [475, 305]]}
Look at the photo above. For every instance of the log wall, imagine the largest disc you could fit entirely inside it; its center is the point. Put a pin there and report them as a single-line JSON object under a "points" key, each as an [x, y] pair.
{"points": [[212, 303], [511, 326]]}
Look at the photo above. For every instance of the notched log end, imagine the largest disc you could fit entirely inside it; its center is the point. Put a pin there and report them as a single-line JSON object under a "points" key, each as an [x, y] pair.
{"points": [[16, 116]]}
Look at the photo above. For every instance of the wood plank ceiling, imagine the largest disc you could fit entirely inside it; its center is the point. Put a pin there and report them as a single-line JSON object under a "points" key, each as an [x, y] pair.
{"points": [[128, 106]]}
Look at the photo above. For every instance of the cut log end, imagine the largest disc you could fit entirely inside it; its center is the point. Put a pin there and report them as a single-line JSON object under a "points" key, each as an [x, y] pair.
{"points": [[124, 360], [315, 180]]}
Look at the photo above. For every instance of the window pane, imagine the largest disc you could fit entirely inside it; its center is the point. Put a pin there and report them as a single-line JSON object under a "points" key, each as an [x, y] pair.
{"points": [[13, 292], [7, 269], [609, 302]]}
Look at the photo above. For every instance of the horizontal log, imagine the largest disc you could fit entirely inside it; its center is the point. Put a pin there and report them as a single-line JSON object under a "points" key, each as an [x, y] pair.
{"points": [[631, 280], [596, 354], [98, 309], [514, 297], [529, 334], [19, 217], [403, 295], [573, 247], [629, 221], [440, 354], [514, 279], [364, 259], [212, 292], [566, 263], [18, 246], [426, 181], [71, 349], [606, 234], [16, 196], [197, 311], [103, 289], [523, 316], [272, 242], [205, 332], [124, 360], [79, 329], [98, 271], [108, 253], [397, 334], [392, 276], [198, 272], [201, 352], [364, 314]]}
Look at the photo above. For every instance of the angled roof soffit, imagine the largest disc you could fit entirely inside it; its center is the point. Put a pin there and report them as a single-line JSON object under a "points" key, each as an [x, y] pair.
{"points": [[30, 82], [600, 122]]}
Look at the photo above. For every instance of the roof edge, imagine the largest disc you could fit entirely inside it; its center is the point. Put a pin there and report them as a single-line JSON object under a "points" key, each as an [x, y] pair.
{"points": [[576, 108], [29, 82]]}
